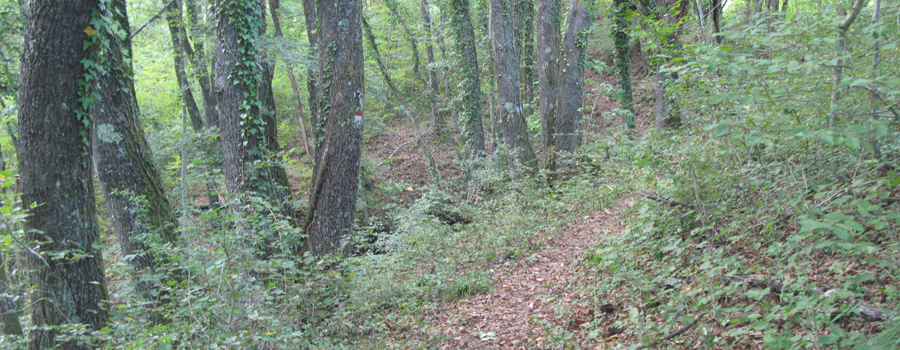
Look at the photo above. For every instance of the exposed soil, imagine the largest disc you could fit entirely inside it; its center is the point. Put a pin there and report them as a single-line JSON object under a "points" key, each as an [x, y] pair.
{"points": [[535, 297]]}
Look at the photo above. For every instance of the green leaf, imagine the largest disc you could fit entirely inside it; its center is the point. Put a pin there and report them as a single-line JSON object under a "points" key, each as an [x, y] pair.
{"points": [[828, 339]]}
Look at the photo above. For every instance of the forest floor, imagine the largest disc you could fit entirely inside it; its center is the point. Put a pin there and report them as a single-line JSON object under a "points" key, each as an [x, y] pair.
{"points": [[536, 300]]}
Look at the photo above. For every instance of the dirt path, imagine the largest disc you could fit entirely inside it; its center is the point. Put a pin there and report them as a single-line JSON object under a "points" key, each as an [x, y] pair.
{"points": [[537, 301]]}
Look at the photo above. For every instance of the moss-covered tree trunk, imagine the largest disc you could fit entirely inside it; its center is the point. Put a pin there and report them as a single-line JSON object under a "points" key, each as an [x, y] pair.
{"points": [[55, 173], [470, 110], [132, 187], [332, 201], [505, 27], [548, 72], [571, 83]]}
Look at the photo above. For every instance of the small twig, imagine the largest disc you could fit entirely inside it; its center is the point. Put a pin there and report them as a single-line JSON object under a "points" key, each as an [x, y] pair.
{"points": [[845, 190], [31, 251], [152, 19], [669, 336]]}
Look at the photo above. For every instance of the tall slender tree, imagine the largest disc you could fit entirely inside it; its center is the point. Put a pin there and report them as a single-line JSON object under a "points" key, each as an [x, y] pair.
{"points": [[470, 115], [571, 81], [311, 17], [505, 27], [274, 6], [668, 114], [332, 201], [528, 59], [622, 42], [55, 171], [548, 72], [130, 182], [179, 41]]}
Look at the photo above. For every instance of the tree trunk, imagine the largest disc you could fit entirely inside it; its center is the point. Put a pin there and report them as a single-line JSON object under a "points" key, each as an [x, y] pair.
{"points": [[278, 187], [439, 113], [571, 81], [668, 115], [242, 88], [55, 172], [197, 55], [842, 28], [717, 21], [174, 22], [527, 10], [470, 116], [505, 24], [129, 180], [548, 72], [274, 5], [332, 201], [622, 42], [310, 13]]}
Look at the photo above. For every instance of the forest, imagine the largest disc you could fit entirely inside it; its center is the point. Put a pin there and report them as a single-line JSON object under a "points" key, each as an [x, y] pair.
{"points": [[449, 174]]}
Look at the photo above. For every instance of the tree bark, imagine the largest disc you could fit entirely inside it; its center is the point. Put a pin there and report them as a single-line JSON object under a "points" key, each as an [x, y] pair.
{"points": [[527, 11], [332, 201], [174, 23], [505, 24], [470, 116], [571, 82], [129, 180], [548, 72], [241, 86], [55, 172]]}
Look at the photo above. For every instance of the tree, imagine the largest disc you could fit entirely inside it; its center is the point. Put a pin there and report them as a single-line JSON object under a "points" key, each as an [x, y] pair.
{"points": [[55, 170], [470, 116], [622, 42], [274, 5], [668, 115], [505, 24], [548, 71], [130, 182], [332, 200], [246, 115], [571, 80], [311, 17], [527, 12], [179, 43]]}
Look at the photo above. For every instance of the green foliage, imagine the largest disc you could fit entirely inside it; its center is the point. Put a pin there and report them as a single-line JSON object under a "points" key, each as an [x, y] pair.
{"points": [[767, 181]]}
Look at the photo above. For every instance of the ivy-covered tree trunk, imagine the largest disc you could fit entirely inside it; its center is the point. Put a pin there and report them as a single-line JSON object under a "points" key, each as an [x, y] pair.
{"points": [[332, 201], [470, 111], [548, 72], [505, 25], [571, 82], [174, 22], [54, 155], [246, 130], [527, 12], [622, 42], [141, 215]]}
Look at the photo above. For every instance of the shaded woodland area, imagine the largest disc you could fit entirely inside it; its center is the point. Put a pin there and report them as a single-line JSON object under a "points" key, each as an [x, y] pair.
{"points": [[529, 174]]}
